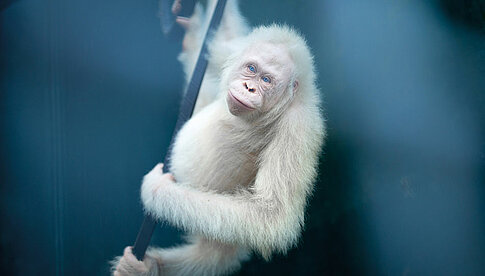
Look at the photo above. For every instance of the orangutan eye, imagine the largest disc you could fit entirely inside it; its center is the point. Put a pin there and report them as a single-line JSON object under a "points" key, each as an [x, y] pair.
{"points": [[266, 79], [252, 68]]}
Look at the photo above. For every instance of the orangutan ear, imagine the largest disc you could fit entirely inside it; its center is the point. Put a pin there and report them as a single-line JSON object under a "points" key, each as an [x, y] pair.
{"points": [[295, 86]]}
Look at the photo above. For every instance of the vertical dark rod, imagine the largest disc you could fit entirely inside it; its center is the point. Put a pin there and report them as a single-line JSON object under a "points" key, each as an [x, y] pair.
{"points": [[186, 110]]}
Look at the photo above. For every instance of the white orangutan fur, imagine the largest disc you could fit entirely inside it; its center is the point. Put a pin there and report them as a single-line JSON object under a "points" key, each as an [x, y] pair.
{"points": [[241, 182]]}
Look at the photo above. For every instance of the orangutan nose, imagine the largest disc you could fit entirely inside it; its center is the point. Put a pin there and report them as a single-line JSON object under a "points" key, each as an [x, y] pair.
{"points": [[250, 89]]}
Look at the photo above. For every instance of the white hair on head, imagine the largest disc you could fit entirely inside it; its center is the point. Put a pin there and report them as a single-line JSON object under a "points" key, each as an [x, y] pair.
{"points": [[303, 72], [297, 48]]}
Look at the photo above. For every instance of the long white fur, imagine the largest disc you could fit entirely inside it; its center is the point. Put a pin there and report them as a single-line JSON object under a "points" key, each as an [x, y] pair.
{"points": [[241, 185]]}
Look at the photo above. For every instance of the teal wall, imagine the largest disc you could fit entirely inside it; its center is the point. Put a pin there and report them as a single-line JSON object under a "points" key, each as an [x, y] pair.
{"points": [[89, 93]]}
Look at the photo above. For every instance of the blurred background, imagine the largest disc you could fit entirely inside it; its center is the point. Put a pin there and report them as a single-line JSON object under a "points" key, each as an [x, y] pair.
{"points": [[89, 94]]}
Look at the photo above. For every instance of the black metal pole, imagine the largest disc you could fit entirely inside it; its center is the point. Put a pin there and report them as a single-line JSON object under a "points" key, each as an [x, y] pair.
{"points": [[186, 110]]}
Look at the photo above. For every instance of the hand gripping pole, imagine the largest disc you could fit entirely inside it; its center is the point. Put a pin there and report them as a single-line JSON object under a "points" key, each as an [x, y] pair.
{"points": [[186, 110]]}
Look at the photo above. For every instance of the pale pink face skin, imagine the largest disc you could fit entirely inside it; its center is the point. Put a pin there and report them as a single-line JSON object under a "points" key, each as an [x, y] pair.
{"points": [[260, 80]]}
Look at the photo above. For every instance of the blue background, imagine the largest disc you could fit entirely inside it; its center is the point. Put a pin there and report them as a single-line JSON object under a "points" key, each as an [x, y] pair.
{"points": [[89, 93]]}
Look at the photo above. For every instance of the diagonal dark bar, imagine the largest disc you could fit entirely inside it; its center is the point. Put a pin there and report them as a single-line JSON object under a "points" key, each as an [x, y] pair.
{"points": [[186, 110]]}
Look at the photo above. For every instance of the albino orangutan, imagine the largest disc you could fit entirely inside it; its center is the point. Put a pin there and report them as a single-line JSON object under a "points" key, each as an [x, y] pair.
{"points": [[244, 165]]}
